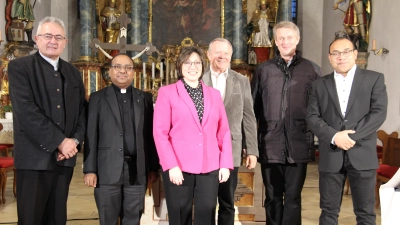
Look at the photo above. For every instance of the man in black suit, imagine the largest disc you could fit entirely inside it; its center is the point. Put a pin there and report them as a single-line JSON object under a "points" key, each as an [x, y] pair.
{"points": [[48, 98], [345, 109], [119, 148]]}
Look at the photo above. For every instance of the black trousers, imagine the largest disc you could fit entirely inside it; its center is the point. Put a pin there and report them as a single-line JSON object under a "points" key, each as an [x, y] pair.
{"points": [[203, 188], [124, 200], [42, 195], [283, 185], [226, 192], [362, 185]]}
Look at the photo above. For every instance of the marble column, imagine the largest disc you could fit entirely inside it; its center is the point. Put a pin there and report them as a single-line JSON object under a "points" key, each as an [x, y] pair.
{"points": [[144, 18], [135, 30], [238, 40], [285, 10], [228, 22], [86, 16]]}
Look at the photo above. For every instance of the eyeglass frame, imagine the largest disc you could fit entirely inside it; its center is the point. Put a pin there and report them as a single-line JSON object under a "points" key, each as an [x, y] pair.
{"points": [[49, 37], [126, 68], [345, 53], [192, 63]]}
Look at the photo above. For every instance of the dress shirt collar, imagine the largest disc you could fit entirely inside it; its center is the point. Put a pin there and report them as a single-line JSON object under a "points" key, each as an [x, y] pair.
{"points": [[54, 63], [215, 74], [122, 91]]}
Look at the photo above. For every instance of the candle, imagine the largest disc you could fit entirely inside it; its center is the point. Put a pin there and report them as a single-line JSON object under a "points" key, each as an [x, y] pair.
{"points": [[140, 81], [373, 44], [134, 80], [166, 72], [153, 70], [161, 70], [176, 74], [0, 36], [144, 70]]}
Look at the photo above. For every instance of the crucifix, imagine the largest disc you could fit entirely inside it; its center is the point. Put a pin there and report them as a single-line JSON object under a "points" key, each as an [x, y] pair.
{"points": [[123, 20]]}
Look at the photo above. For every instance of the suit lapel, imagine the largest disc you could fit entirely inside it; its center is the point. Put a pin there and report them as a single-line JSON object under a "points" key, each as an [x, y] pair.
{"points": [[112, 101], [138, 107], [230, 83], [331, 87], [355, 88], [207, 79], [207, 99], [184, 95]]}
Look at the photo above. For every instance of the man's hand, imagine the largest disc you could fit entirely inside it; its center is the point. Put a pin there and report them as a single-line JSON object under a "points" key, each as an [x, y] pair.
{"points": [[68, 148], [60, 156], [343, 141], [223, 175], [251, 161], [152, 177], [175, 175], [90, 179]]}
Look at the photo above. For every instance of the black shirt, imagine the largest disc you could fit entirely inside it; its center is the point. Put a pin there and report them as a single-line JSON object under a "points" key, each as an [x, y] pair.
{"points": [[127, 119], [197, 96]]}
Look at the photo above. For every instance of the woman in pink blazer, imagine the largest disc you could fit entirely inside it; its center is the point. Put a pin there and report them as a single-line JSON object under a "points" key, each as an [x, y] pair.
{"points": [[193, 142]]}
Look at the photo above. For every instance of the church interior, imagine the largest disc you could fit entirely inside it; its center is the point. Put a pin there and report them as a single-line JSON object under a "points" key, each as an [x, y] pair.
{"points": [[154, 31]]}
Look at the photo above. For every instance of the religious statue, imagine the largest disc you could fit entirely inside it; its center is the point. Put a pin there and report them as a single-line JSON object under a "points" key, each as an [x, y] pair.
{"points": [[17, 12], [260, 29], [109, 22], [356, 21]]}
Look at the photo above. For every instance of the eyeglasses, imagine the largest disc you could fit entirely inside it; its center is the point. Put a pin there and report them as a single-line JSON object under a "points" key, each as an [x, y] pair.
{"points": [[345, 53], [196, 64], [120, 67], [48, 37]]}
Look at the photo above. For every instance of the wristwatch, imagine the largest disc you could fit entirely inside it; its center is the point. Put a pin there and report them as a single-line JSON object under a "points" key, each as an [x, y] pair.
{"points": [[76, 141]]}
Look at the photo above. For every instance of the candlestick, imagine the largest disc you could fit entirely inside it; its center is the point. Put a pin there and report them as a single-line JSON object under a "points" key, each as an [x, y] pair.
{"points": [[153, 70], [166, 73], [0, 36], [134, 80], [140, 81], [176, 74], [144, 70]]}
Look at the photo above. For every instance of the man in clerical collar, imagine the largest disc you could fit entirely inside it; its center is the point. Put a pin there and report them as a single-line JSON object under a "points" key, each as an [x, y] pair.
{"points": [[120, 155]]}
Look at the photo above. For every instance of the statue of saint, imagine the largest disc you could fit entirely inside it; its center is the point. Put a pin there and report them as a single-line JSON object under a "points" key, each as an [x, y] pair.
{"points": [[109, 17], [260, 27], [356, 21], [21, 11]]}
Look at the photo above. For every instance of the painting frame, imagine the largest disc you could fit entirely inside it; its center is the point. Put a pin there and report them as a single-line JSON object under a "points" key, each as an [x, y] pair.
{"points": [[159, 36]]}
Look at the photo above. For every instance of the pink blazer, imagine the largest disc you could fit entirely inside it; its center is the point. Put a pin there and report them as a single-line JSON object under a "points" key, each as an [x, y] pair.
{"points": [[180, 138]]}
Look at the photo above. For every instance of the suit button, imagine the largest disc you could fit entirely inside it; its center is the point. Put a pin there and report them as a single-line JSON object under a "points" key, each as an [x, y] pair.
{"points": [[120, 135], [58, 106], [56, 75], [200, 134], [200, 144], [120, 149], [58, 90]]}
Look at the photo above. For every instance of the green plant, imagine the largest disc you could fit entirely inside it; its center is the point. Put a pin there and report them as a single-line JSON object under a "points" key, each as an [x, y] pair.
{"points": [[7, 108]]}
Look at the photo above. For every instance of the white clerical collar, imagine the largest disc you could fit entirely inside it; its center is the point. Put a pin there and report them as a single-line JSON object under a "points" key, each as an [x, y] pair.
{"points": [[225, 73], [54, 63], [350, 73], [123, 91]]}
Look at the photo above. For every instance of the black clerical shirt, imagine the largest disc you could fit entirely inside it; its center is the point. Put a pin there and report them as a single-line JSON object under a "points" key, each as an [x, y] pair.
{"points": [[124, 98]]}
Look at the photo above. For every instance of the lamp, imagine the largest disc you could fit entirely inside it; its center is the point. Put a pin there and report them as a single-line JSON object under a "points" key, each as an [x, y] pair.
{"points": [[380, 51]]}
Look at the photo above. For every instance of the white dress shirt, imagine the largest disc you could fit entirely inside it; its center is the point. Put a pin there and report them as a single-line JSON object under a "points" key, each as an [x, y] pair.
{"points": [[343, 88], [219, 81]]}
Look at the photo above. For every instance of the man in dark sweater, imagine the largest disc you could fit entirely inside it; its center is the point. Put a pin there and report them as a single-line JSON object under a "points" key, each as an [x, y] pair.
{"points": [[48, 99], [280, 90]]}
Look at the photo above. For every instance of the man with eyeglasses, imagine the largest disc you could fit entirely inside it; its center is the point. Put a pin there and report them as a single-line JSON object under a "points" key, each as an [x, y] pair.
{"points": [[120, 155], [48, 98], [280, 89], [345, 109], [235, 92]]}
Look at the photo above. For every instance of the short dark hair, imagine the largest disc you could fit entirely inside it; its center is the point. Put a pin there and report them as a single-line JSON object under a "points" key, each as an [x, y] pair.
{"points": [[184, 56], [341, 38], [119, 55]]}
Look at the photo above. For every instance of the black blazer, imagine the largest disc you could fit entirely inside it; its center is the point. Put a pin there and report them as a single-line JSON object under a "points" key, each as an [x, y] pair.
{"points": [[36, 135], [104, 153], [365, 113]]}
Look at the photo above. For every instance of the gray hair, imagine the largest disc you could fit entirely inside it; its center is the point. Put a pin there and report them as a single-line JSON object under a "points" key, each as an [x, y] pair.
{"points": [[221, 40], [286, 24], [50, 19]]}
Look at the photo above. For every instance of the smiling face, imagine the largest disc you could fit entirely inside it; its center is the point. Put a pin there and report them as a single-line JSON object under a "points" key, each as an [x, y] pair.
{"points": [[122, 78], [286, 41], [192, 69], [342, 64], [219, 55], [50, 48]]}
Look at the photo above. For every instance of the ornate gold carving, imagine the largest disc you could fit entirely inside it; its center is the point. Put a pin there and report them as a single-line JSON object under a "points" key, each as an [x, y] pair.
{"points": [[150, 20], [238, 62], [244, 7], [222, 18]]}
